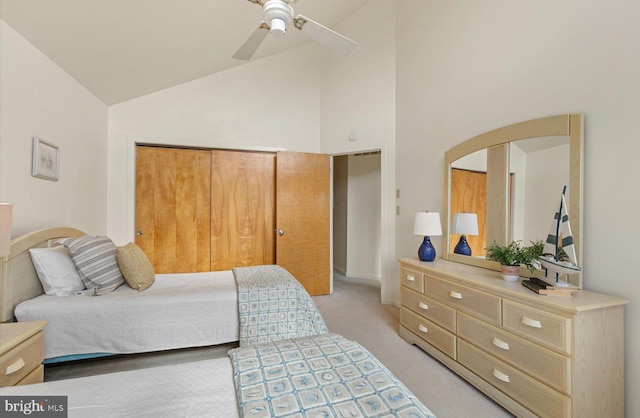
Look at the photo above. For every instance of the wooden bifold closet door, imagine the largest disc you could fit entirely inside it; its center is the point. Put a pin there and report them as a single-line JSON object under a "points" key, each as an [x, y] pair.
{"points": [[173, 208], [211, 210]]}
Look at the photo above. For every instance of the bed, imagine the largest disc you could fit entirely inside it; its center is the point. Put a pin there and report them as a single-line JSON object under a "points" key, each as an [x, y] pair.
{"points": [[176, 311], [316, 376]]}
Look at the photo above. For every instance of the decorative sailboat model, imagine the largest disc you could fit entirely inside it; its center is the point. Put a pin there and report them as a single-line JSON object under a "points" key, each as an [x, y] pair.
{"points": [[559, 256]]}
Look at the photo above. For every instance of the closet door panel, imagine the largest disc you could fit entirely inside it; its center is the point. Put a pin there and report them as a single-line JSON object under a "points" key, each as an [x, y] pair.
{"points": [[303, 204], [173, 213], [242, 208]]}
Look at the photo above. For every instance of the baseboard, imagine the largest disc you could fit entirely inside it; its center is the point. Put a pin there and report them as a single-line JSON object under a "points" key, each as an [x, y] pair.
{"points": [[340, 270]]}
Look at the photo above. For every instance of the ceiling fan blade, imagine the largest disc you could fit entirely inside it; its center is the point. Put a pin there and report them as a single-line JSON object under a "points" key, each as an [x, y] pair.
{"points": [[339, 44], [250, 46]]}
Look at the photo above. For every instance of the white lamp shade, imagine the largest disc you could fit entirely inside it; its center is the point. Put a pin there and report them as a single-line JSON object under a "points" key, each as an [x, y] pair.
{"points": [[427, 224], [5, 228], [465, 224]]}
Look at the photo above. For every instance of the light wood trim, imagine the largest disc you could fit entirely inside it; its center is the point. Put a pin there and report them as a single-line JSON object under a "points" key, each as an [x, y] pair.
{"points": [[599, 357], [576, 183], [497, 196], [547, 126], [18, 278]]}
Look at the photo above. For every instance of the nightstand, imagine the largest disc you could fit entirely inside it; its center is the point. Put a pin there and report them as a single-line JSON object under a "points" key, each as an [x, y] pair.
{"points": [[21, 353]]}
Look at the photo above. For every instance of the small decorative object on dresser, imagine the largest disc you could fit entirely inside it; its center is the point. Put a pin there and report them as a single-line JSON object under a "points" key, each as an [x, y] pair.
{"points": [[536, 356], [427, 224], [512, 256], [21, 353]]}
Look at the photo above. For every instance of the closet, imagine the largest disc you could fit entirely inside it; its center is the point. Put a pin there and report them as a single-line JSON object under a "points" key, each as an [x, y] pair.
{"points": [[208, 210]]}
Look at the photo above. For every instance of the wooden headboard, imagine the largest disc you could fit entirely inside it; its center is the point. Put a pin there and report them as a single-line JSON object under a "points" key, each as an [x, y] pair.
{"points": [[18, 278]]}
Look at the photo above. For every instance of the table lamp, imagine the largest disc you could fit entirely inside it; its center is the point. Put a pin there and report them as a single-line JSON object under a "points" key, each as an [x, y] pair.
{"points": [[5, 229], [464, 224], [427, 224]]}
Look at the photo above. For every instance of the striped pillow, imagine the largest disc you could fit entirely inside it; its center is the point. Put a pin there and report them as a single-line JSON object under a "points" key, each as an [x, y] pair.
{"points": [[95, 259]]}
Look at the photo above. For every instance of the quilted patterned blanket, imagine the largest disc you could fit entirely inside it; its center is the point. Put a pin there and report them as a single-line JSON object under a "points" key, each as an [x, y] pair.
{"points": [[318, 376], [273, 305]]}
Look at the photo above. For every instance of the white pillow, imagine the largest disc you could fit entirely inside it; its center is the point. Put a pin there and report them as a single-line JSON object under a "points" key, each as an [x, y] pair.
{"points": [[56, 271]]}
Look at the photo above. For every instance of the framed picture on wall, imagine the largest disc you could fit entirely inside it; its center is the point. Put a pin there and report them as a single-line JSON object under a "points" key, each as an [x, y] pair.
{"points": [[46, 160]]}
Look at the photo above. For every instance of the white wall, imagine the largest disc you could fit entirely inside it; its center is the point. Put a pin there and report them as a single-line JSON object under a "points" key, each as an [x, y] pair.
{"points": [[340, 214], [358, 95], [547, 174], [273, 102], [465, 68], [364, 217], [39, 99]]}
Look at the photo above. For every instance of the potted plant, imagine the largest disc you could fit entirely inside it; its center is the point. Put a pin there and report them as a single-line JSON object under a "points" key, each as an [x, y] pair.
{"points": [[514, 255]]}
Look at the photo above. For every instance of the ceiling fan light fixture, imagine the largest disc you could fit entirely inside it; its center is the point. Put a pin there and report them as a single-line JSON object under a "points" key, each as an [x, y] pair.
{"points": [[278, 28], [279, 15]]}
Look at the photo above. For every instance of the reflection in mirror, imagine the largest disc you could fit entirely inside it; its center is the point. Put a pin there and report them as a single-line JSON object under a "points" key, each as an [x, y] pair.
{"points": [[539, 169], [511, 178], [469, 195]]}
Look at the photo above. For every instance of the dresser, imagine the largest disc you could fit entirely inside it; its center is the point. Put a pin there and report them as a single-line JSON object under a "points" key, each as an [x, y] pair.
{"points": [[536, 355], [21, 353]]}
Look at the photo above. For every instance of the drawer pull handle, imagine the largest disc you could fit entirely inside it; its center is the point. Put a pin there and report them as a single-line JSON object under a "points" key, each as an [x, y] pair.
{"points": [[422, 328], [455, 295], [500, 344], [530, 322], [410, 278], [501, 376], [17, 365], [423, 305]]}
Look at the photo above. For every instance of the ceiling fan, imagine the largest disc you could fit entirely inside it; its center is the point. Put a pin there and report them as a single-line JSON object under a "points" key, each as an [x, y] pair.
{"points": [[278, 16]]}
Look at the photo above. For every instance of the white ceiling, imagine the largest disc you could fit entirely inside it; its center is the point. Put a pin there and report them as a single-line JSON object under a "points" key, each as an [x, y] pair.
{"points": [[121, 49]]}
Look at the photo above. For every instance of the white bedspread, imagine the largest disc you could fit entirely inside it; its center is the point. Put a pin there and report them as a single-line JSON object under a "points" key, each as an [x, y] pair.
{"points": [[199, 389], [177, 311]]}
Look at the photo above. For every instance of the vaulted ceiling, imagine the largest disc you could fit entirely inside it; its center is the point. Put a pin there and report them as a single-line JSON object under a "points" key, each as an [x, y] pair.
{"points": [[122, 49]]}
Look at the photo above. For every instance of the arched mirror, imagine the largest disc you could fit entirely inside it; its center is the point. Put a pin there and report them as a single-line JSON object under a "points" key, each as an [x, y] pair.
{"points": [[505, 185]]}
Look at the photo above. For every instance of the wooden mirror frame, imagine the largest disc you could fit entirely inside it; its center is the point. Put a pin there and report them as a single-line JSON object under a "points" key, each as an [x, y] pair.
{"points": [[560, 125]]}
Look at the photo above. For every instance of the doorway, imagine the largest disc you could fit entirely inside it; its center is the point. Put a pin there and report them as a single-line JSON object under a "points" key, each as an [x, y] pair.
{"points": [[357, 215]]}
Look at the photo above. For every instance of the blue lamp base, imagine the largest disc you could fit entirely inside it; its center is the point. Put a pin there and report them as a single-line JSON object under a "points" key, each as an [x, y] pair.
{"points": [[426, 252], [462, 247]]}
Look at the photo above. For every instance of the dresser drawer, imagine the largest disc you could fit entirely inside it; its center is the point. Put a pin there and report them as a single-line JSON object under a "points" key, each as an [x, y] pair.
{"points": [[36, 376], [548, 366], [546, 328], [21, 360], [474, 302], [413, 280], [438, 337], [542, 400], [430, 309]]}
